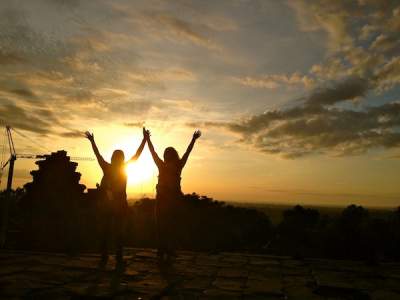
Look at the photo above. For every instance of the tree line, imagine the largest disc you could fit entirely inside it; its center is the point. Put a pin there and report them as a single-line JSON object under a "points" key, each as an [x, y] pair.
{"points": [[205, 224]]}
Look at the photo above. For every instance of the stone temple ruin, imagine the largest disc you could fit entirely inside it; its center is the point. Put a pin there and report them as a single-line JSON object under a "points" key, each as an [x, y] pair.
{"points": [[56, 212]]}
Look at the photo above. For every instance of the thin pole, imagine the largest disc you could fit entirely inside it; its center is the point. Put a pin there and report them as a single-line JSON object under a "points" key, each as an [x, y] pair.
{"points": [[6, 204]]}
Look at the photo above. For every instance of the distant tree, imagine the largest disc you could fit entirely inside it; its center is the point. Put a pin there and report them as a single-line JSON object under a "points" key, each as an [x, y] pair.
{"points": [[353, 217], [300, 217], [297, 230], [352, 225], [397, 213], [203, 224]]}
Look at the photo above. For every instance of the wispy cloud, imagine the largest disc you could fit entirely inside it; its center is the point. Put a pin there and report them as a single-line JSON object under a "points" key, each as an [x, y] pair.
{"points": [[72, 134], [275, 80], [134, 124], [7, 58], [182, 29], [38, 121]]}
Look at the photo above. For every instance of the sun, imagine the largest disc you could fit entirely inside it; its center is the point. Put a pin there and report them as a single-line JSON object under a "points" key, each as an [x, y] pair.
{"points": [[141, 170], [141, 173]]}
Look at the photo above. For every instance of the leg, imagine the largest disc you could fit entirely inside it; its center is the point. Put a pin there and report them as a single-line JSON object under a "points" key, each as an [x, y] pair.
{"points": [[170, 234], [162, 235], [105, 237], [120, 236]]}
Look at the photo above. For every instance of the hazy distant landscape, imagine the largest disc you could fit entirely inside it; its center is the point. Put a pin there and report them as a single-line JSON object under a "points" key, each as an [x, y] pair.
{"points": [[275, 211]]}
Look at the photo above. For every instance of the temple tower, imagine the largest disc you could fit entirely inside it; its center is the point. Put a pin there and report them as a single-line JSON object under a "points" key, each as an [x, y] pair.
{"points": [[54, 205]]}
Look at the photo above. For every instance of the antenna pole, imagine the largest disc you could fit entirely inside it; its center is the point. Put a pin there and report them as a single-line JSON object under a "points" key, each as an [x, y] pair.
{"points": [[10, 172], [6, 204]]}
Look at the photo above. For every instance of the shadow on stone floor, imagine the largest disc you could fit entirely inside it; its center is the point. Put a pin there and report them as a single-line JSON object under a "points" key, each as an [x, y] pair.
{"points": [[193, 275]]}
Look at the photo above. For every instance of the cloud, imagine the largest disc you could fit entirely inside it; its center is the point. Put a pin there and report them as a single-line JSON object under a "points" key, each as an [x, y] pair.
{"points": [[207, 124], [396, 156], [134, 124], [24, 92], [361, 60], [332, 17], [7, 58], [37, 121], [86, 69], [72, 134], [384, 43], [65, 3], [130, 107], [299, 132], [22, 41], [13, 89], [182, 29], [366, 31], [274, 81], [157, 77], [362, 37], [388, 76], [358, 43], [346, 89], [34, 119], [107, 65], [306, 130], [182, 104]]}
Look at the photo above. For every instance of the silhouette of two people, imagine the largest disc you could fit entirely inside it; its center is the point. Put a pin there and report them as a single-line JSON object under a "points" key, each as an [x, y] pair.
{"points": [[114, 199]]}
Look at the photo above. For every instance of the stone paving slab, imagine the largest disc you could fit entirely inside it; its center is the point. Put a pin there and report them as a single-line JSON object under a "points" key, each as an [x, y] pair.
{"points": [[35, 275]]}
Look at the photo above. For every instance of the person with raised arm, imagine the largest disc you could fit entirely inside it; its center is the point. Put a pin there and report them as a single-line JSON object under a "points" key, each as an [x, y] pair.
{"points": [[169, 194], [113, 198]]}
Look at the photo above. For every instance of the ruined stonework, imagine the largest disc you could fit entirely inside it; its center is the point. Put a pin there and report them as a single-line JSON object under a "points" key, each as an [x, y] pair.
{"points": [[54, 207]]}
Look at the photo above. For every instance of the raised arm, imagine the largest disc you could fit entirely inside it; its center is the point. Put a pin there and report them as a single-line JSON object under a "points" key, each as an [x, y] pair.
{"points": [[156, 158], [140, 149], [103, 164], [189, 149]]}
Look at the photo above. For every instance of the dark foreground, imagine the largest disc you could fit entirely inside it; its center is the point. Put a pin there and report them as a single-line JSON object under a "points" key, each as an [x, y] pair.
{"points": [[30, 275]]}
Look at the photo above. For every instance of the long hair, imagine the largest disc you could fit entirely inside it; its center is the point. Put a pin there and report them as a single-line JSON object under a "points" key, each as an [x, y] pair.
{"points": [[117, 158], [171, 155]]}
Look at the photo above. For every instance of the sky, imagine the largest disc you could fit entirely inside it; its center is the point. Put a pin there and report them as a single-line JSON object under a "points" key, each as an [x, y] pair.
{"points": [[298, 101]]}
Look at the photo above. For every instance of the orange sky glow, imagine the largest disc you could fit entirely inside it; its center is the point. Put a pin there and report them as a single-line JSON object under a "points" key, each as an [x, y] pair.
{"points": [[298, 102]]}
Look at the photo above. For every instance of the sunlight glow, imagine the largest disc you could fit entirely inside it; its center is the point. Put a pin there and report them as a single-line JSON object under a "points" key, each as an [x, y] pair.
{"points": [[141, 170], [142, 174]]}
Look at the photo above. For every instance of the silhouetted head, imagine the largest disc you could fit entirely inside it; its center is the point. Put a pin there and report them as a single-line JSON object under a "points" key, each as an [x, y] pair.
{"points": [[171, 155], [118, 157]]}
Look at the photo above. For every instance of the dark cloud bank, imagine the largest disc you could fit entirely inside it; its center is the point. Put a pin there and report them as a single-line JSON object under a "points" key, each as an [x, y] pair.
{"points": [[37, 121], [320, 125]]}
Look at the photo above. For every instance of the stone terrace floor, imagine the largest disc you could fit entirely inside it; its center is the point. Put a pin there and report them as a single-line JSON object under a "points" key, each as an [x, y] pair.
{"points": [[30, 275]]}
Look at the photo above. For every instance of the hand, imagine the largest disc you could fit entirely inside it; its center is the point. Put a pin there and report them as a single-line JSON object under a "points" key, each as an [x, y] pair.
{"points": [[146, 133], [89, 136], [196, 134]]}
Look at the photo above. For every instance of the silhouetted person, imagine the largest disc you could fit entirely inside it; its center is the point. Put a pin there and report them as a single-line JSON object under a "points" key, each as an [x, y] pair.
{"points": [[169, 194], [113, 195]]}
